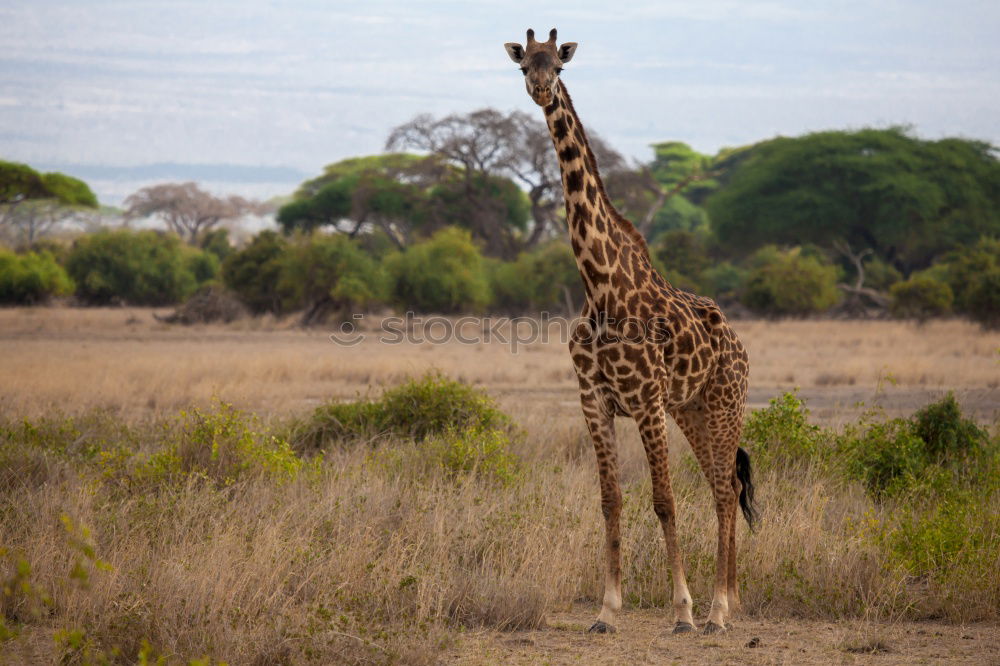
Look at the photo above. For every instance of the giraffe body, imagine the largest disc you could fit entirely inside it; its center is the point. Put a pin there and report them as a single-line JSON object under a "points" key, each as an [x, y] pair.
{"points": [[644, 349]]}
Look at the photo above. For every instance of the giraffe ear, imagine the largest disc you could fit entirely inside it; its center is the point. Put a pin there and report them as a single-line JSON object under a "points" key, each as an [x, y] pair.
{"points": [[515, 51], [566, 51]]}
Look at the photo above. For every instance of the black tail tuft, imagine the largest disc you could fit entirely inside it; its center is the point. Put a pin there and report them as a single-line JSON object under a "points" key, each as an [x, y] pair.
{"points": [[746, 494]]}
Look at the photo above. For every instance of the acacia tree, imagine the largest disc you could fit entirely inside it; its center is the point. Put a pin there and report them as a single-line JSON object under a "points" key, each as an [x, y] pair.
{"points": [[33, 203], [488, 144], [907, 199], [188, 210], [389, 192]]}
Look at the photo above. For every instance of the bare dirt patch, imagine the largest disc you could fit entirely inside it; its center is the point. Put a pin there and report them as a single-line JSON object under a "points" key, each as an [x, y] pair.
{"points": [[644, 638]]}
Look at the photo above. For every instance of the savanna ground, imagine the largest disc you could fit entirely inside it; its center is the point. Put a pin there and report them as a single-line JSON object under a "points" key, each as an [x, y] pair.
{"points": [[396, 550]]}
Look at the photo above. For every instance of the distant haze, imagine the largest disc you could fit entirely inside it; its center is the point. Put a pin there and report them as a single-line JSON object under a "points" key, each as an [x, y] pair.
{"points": [[255, 96]]}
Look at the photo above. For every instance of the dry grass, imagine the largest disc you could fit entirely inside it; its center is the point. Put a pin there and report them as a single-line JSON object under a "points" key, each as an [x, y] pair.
{"points": [[361, 559], [71, 359]]}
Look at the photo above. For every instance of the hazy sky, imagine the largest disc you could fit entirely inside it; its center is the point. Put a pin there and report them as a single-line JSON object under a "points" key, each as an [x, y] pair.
{"points": [[302, 84]]}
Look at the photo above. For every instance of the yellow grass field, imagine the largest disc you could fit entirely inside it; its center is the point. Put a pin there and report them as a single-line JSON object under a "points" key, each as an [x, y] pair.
{"points": [[123, 359], [373, 555]]}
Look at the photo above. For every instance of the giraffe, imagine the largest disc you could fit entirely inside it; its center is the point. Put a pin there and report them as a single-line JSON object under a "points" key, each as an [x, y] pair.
{"points": [[643, 349]]}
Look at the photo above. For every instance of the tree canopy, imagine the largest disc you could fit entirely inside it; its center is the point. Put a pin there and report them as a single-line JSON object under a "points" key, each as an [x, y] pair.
{"points": [[408, 196], [188, 210], [32, 203], [907, 199]]}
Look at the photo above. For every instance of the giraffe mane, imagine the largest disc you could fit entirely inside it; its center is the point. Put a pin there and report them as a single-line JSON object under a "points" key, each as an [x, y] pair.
{"points": [[624, 223]]}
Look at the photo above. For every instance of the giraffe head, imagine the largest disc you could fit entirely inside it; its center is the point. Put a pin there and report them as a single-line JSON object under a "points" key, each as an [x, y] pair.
{"points": [[541, 63]]}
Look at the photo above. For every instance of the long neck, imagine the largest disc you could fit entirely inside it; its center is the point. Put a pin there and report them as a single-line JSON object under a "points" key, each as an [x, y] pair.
{"points": [[610, 253]]}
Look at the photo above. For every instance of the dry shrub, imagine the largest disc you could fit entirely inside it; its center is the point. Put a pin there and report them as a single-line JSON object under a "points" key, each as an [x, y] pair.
{"points": [[208, 305]]}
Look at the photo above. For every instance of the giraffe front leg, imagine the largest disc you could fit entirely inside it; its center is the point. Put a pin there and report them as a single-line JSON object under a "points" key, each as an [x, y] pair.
{"points": [[601, 426], [653, 428]]}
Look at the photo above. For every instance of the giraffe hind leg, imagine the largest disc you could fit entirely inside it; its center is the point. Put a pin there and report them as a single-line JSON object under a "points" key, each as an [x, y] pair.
{"points": [[715, 452], [653, 428]]}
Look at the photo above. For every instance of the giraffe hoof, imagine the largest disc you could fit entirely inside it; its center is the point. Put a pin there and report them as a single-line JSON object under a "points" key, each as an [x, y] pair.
{"points": [[600, 627], [683, 628], [713, 628]]}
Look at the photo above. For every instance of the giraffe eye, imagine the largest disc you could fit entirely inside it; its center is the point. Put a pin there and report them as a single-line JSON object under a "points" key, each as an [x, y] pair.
{"points": [[524, 70], [558, 70]]}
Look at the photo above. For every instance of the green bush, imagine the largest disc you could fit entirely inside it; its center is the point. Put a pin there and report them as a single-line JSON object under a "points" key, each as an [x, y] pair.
{"points": [[781, 433], [937, 449], [723, 280], [983, 299], [950, 537], [537, 280], [962, 268], [216, 242], [254, 272], [921, 297], [879, 275], [203, 265], [886, 457], [431, 405], [222, 444], [790, 283], [324, 272], [138, 268], [683, 252], [947, 435], [31, 278], [457, 452], [444, 274]]}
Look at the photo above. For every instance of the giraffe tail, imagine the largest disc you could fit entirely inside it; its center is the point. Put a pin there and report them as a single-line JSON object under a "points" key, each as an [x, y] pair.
{"points": [[743, 473]]}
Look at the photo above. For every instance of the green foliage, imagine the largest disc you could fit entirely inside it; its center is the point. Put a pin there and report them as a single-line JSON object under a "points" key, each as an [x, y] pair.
{"points": [[20, 182], [983, 299], [31, 278], [961, 267], [204, 266], [790, 283], [483, 451], [444, 274], [937, 444], [139, 268], [946, 434], [537, 280], [431, 405], [973, 273], [223, 445], [947, 538], [920, 297], [781, 433], [675, 161], [882, 189], [69, 191], [462, 202], [456, 454], [254, 272], [684, 257], [386, 186], [216, 241], [887, 456], [328, 269], [723, 280], [879, 275]]}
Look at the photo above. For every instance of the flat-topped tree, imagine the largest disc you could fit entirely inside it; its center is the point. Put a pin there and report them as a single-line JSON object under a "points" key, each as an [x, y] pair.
{"points": [[643, 349], [33, 203]]}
